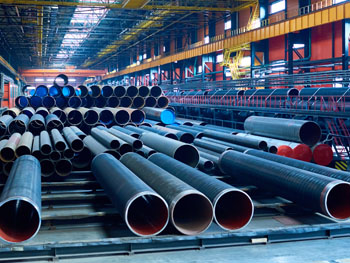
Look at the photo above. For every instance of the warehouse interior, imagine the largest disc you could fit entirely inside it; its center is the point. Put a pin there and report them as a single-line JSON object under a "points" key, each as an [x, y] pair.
{"points": [[174, 131]]}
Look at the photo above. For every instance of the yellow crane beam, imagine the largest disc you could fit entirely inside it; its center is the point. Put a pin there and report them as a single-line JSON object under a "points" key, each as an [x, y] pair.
{"points": [[125, 5]]}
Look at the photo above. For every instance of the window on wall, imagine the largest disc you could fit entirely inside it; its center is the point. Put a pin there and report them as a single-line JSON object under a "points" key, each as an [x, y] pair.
{"points": [[228, 24], [338, 1], [206, 40], [298, 46], [277, 6], [219, 58]]}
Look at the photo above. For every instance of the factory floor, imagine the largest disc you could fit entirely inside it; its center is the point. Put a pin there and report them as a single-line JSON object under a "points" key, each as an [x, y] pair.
{"points": [[318, 251]]}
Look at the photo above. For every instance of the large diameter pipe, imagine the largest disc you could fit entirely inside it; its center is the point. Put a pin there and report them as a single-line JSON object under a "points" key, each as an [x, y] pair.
{"points": [[60, 81], [195, 133], [219, 148], [83, 91], [113, 102], [150, 102], [13, 112], [74, 102], [63, 167], [47, 167], [144, 211], [36, 101], [133, 132], [74, 117], [119, 91], [205, 165], [105, 115], [138, 102], [36, 147], [156, 91], [20, 201], [78, 132], [121, 115], [75, 143], [21, 102], [235, 147], [95, 91], [132, 91], [105, 138], [55, 91], [36, 124], [97, 148], [100, 102], [90, 116], [317, 192], [68, 91], [307, 132], [248, 142], [82, 160], [53, 122], [160, 132], [136, 116], [322, 154], [59, 113], [61, 102], [144, 91], [7, 153], [233, 208], [162, 102], [182, 152], [163, 115], [311, 167], [19, 124], [58, 140], [29, 111], [5, 121], [42, 111], [24, 146], [125, 102], [191, 212], [107, 91], [49, 102]]}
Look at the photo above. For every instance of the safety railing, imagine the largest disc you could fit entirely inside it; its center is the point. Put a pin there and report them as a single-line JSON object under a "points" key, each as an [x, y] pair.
{"points": [[316, 103]]}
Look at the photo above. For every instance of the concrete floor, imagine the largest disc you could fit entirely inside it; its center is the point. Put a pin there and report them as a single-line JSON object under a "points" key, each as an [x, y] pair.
{"points": [[317, 251]]}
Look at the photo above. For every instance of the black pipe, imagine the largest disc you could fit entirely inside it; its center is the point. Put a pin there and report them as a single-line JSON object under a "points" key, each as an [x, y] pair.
{"points": [[20, 201], [21, 102], [113, 102], [13, 112], [74, 102], [183, 152], [132, 91], [36, 101], [160, 132], [53, 122], [5, 121], [190, 211], [82, 160], [95, 91], [84, 91], [7, 153], [156, 91], [68, 91], [107, 91], [162, 102], [96, 147], [205, 165], [181, 135], [163, 115], [55, 156], [311, 167], [59, 113], [42, 111], [47, 167], [19, 124], [125, 102], [61, 102], [74, 117], [90, 116], [29, 111], [58, 140], [119, 91], [129, 131], [147, 151], [78, 132], [120, 115], [105, 115], [235, 147], [75, 143], [36, 124], [36, 147], [233, 208], [150, 102], [49, 102], [136, 143], [105, 138], [100, 102], [307, 132], [60, 80], [144, 91], [138, 102], [24, 146], [144, 211], [136, 116], [63, 167], [196, 134], [45, 143], [311, 190]]}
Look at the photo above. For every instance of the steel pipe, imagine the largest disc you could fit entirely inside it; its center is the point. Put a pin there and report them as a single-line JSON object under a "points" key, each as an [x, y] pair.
{"points": [[78, 132], [88, 102], [21, 102], [119, 91], [150, 102], [6, 168], [131, 132], [61, 102], [147, 151], [36, 124], [105, 138], [83, 91], [58, 140], [24, 146], [205, 165], [53, 122], [235, 147], [105, 115], [41, 91], [143, 91], [191, 212], [42, 111], [75, 143], [136, 116], [125, 102], [190, 122], [90, 116], [49, 102], [160, 132], [63, 167], [132, 91], [74, 102], [82, 160], [181, 135], [19, 124], [47, 167], [13, 112], [322, 154], [135, 143], [45, 143], [113, 102], [97, 148], [107, 91], [20, 201], [68, 91], [317, 192], [163, 115], [5, 121], [95, 91], [60, 80], [55, 91], [100, 102], [144, 211], [36, 147], [162, 102], [29, 111], [195, 133], [74, 117], [233, 208], [182, 152], [211, 146], [138, 102], [120, 115], [59, 113], [55, 156], [307, 132], [156, 91]]}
